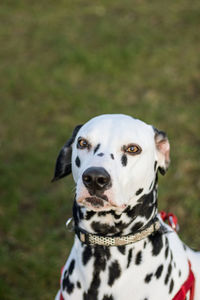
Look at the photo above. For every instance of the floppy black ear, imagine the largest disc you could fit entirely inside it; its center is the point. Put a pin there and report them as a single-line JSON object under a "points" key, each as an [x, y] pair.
{"points": [[63, 162], [163, 150]]}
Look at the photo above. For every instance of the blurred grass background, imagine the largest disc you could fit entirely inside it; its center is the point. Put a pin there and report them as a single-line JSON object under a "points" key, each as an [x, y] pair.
{"points": [[61, 63]]}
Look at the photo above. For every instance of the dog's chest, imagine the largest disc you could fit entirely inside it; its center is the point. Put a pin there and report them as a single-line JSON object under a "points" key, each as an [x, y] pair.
{"points": [[127, 272]]}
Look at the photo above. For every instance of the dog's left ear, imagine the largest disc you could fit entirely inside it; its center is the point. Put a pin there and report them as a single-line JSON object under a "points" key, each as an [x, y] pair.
{"points": [[63, 162], [163, 149]]}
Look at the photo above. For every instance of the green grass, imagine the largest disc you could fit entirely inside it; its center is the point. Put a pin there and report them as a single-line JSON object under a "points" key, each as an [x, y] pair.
{"points": [[63, 62]]}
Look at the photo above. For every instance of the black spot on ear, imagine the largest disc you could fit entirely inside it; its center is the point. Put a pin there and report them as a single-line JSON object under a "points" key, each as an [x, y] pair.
{"points": [[162, 171], [159, 271], [63, 162], [78, 162], [112, 156], [124, 160], [97, 148], [100, 154], [148, 278], [139, 192], [138, 258], [114, 272]]}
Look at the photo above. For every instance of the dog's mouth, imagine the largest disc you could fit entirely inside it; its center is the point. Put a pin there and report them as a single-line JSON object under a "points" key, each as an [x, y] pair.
{"points": [[99, 203], [96, 203]]}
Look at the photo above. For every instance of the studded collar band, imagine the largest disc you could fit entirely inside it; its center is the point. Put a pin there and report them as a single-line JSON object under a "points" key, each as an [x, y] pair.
{"points": [[94, 239]]}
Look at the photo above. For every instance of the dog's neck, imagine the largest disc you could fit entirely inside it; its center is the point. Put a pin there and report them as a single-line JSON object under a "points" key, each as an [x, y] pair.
{"points": [[112, 223]]}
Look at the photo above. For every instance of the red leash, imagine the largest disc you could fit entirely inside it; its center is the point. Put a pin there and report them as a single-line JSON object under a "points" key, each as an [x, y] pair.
{"points": [[188, 285], [190, 282]]}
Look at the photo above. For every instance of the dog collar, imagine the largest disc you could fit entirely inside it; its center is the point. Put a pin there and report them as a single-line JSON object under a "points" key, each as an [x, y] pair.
{"points": [[94, 239]]}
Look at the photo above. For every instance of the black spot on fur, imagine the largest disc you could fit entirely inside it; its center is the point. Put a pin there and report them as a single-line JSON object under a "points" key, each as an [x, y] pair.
{"points": [[171, 256], [179, 273], [138, 258], [102, 213], [130, 253], [139, 192], [100, 154], [169, 270], [136, 227], [101, 255], [148, 278], [97, 148], [157, 243], [166, 251], [171, 286], [78, 162], [112, 156], [159, 271], [78, 285], [144, 207], [71, 266], [67, 284], [145, 243], [116, 216], [103, 228], [121, 249], [106, 297], [124, 160], [87, 254], [155, 165], [89, 214], [114, 272]]}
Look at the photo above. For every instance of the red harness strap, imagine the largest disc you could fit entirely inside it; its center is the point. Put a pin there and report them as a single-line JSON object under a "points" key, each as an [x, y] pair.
{"points": [[188, 285], [61, 296]]}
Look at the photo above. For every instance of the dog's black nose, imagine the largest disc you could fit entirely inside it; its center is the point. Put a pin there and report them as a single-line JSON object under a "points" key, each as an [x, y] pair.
{"points": [[96, 179]]}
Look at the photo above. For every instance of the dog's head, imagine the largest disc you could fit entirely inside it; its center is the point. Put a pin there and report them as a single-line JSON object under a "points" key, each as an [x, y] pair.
{"points": [[114, 160]]}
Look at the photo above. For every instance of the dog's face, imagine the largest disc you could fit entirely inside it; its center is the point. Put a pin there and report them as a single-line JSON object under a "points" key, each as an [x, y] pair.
{"points": [[114, 161]]}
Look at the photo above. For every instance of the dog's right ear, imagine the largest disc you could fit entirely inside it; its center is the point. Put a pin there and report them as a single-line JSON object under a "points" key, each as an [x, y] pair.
{"points": [[63, 162]]}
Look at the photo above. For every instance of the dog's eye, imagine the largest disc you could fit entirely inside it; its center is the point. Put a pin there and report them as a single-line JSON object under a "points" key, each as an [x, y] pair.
{"points": [[133, 149], [82, 144]]}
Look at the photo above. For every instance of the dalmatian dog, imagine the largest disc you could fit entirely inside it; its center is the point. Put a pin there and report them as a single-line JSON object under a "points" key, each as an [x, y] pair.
{"points": [[122, 249]]}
